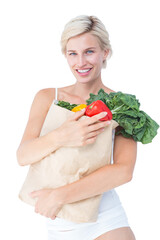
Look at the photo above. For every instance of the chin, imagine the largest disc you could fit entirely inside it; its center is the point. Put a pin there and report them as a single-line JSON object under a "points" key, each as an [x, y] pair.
{"points": [[83, 80]]}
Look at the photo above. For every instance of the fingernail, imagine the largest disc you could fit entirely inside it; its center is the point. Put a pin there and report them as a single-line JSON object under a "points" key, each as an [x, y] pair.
{"points": [[108, 122], [105, 113], [83, 110]]}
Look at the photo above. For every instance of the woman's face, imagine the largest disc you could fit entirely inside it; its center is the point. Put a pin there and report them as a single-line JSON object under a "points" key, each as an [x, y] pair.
{"points": [[85, 57]]}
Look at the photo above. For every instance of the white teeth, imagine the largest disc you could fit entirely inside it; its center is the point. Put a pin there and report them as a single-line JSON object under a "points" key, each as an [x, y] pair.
{"points": [[83, 71]]}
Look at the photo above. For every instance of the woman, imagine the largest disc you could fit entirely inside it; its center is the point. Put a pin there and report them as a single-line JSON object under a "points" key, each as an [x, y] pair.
{"points": [[86, 46]]}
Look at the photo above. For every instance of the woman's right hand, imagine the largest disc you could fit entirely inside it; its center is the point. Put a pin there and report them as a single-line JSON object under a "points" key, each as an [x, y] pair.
{"points": [[74, 133]]}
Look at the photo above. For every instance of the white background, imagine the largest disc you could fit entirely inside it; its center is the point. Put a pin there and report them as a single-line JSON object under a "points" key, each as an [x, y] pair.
{"points": [[31, 59]]}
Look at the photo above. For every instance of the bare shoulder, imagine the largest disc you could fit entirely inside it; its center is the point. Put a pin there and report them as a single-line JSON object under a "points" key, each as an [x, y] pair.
{"points": [[42, 102], [38, 111], [45, 97]]}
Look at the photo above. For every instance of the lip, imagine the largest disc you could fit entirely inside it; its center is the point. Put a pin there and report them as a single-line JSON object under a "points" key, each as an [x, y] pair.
{"points": [[84, 73]]}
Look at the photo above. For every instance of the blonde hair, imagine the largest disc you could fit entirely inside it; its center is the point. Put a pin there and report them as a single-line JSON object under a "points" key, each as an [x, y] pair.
{"points": [[83, 24]]}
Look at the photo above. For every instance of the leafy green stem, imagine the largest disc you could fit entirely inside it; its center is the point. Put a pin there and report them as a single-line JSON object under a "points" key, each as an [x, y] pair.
{"points": [[115, 110]]}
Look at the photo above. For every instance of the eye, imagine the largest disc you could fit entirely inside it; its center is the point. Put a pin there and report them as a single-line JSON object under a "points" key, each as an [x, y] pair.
{"points": [[89, 51], [72, 54]]}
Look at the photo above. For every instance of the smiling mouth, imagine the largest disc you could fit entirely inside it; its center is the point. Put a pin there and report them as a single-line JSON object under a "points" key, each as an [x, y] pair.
{"points": [[83, 70]]}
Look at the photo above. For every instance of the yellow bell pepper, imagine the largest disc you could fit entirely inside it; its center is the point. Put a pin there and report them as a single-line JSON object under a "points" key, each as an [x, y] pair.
{"points": [[79, 107]]}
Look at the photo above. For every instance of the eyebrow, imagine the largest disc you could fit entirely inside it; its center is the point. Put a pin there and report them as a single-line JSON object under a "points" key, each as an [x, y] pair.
{"points": [[84, 50]]}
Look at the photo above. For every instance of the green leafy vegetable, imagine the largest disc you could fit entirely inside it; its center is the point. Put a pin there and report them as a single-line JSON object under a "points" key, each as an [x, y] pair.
{"points": [[125, 111], [66, 105]]}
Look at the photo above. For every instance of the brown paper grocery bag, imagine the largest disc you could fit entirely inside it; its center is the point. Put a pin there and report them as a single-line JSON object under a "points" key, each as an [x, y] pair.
{"points": [[67, 165]]}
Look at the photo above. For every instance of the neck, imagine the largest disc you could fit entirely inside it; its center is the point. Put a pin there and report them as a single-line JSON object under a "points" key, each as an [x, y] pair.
{"points": [[84, 89]]}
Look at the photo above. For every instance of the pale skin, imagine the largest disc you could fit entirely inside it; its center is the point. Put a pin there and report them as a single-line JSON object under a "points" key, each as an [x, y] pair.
{"points": [[82, 52]]}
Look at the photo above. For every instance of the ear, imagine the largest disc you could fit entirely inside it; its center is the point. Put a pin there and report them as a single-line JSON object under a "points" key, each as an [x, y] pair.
{"points": [[106, 52]]}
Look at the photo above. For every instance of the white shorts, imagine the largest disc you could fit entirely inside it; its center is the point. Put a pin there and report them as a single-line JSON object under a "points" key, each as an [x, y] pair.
{"points": [[111, 216]]}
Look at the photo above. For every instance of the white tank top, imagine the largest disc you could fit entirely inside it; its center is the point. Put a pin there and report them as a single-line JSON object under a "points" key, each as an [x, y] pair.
{"points": [[56, 96]]}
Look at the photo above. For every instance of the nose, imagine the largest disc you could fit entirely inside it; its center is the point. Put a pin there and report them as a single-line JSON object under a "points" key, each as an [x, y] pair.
{"points": [[81, 61]]}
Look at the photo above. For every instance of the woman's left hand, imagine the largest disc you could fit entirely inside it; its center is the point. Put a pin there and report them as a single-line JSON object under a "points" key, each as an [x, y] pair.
{"points": [[47, 203]]}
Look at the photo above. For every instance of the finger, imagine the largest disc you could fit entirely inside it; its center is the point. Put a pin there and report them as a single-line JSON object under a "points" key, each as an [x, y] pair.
{"points": [[78, 114], [36, 210], [97, 126], [95, 133], [95, 118], [53, 217], [35, 194], [90, 140]]}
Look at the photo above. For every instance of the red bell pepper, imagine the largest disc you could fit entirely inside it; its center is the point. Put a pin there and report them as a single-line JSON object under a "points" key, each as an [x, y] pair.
{"points": [[98, 107]]}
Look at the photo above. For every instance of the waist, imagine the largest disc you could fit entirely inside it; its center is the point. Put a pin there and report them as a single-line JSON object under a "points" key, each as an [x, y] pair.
{"points": [[109, 200]]}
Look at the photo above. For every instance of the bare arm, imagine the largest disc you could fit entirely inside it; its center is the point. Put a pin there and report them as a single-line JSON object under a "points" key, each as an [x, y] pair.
{"points": [[32, 147], [105, 178]]}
